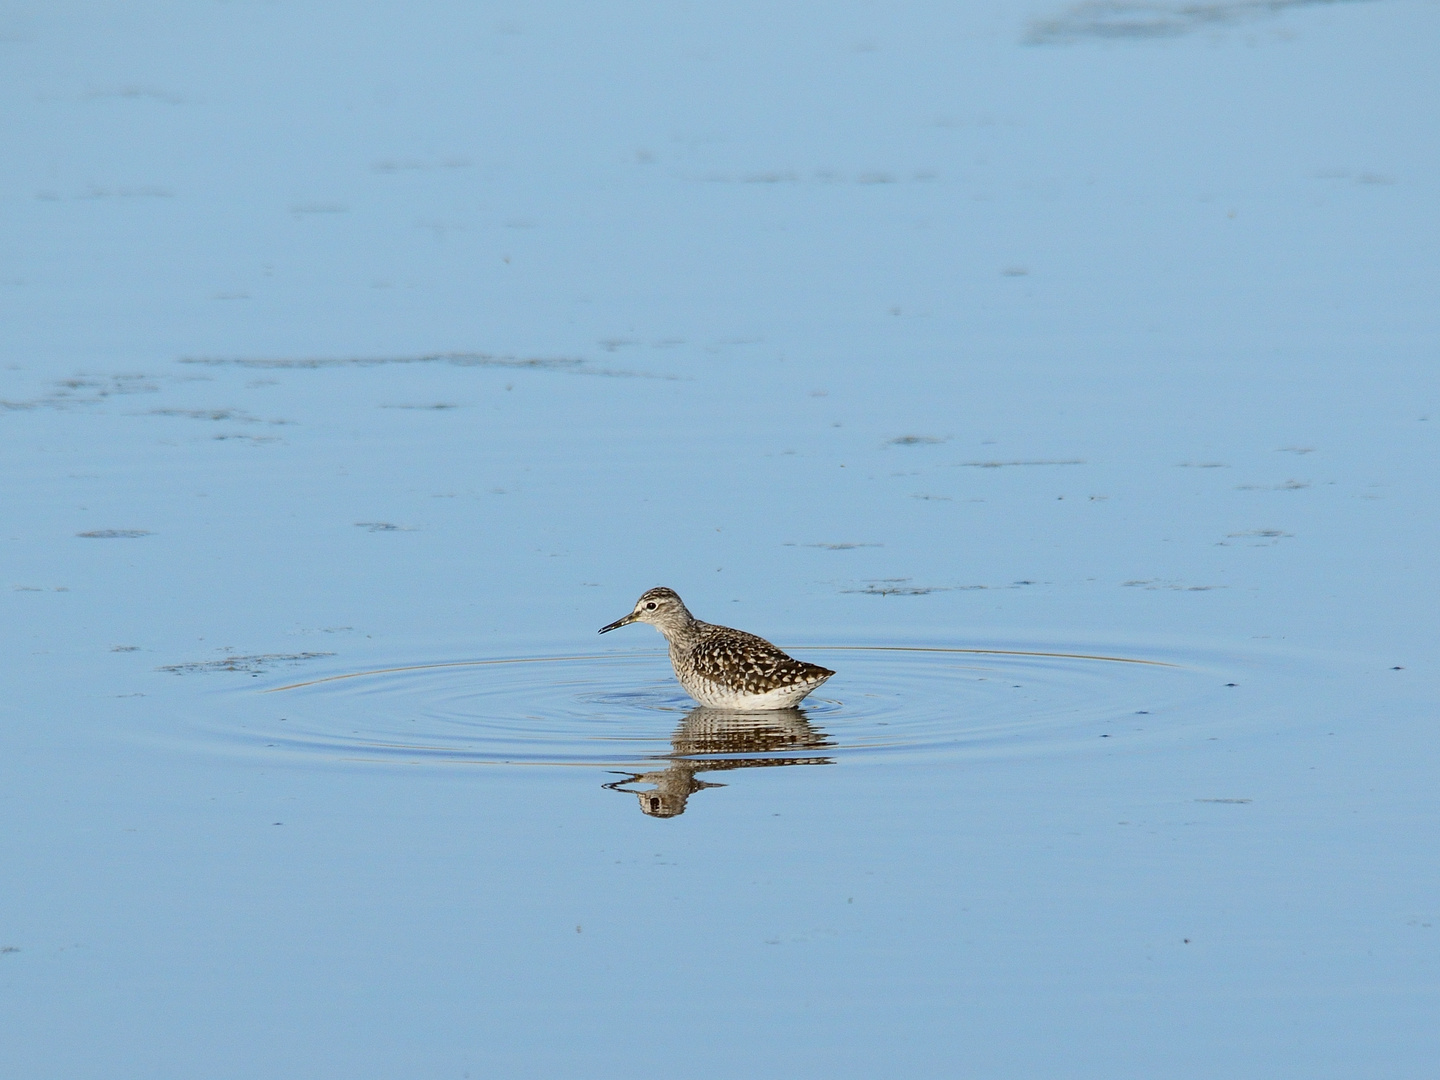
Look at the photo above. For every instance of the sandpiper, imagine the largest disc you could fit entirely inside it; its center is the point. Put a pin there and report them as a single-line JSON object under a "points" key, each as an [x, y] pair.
{"points": [[720, 667]]}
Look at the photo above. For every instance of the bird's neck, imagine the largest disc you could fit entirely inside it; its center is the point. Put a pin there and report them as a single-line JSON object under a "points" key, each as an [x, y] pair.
{"points": [[680, 632]]}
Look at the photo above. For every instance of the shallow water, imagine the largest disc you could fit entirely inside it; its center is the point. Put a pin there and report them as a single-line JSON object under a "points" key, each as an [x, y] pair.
{"points": [[1063, 377], [891, 705], [905, 702]]}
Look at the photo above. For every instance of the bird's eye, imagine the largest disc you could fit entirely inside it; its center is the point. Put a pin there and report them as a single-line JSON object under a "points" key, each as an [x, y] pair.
{"points": [[650, 606]]}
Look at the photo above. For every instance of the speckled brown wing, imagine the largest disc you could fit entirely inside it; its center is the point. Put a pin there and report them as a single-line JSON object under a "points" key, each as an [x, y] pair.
{"points": [[748, 664]]}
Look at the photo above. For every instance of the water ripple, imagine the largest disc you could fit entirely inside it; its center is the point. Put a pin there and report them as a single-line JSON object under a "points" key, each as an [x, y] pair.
{"points": [[888, 703]]}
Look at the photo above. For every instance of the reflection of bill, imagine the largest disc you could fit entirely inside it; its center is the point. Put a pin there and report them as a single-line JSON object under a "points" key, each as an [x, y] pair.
{"points": [[744, 738]]}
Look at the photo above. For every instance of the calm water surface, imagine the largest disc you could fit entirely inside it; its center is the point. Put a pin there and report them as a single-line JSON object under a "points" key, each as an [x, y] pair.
{"points": [[1063, 376]]}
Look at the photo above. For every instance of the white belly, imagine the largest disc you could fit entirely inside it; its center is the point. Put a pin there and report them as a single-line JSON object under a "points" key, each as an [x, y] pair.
{"points": [[719, 696]]}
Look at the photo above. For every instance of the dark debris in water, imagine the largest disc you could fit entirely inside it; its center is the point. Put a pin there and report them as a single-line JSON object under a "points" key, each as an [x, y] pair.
{"points": [[249, 664], [384, 526], [232, 436], [459, 359], [901, 587], [1261, 537], [114, 534], [86, 390], [1013, 464], [1288, 485], [613, 344], [915, 440], [237, 415], [1141, 20], [1151, 584], [897, 587]]}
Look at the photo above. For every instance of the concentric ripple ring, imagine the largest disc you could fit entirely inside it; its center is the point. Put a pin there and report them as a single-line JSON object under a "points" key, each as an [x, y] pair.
{"points": [[910, 703]]}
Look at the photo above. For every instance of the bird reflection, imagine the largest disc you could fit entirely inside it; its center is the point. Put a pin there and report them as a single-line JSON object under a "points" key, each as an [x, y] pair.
{"points": [[746, 740]]}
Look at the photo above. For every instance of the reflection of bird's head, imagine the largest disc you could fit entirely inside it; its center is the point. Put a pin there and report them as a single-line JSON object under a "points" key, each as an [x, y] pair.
{"points": [[673, 786], [662, 608], [660, 803]]}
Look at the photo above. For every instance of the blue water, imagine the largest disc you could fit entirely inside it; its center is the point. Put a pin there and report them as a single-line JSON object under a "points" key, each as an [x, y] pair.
{"points": [[1063, 376]]}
